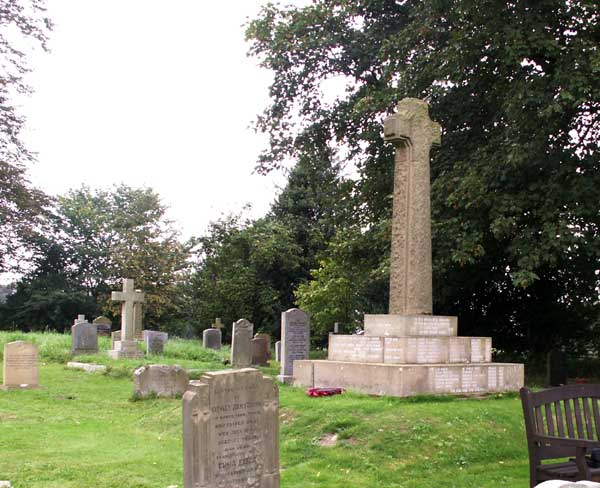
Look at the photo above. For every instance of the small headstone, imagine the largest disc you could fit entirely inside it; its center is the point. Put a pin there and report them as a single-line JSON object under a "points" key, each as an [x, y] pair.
{"points": [[295, 341], [155, 341], [266, 337], [231, 431], [260, 351], [20, 365], [159, 380], [278, 351], [5, 484], [241, 349], [79, 319], [556, 370], [336, 328], [211, 339], [114, 336], [84, 337], [104, 325]]}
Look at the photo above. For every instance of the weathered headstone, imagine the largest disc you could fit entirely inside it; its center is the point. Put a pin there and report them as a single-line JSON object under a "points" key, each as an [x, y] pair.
{"points": [[211, 339], [336, 328], [159, 380], [20, 365], [295, 341], [556, 368], [155, 341], [260, 351], [241, 349], [114, 336], [84, 338], [104, 325], [126, 347], [266, 337], [231, 431], [278, 351]]}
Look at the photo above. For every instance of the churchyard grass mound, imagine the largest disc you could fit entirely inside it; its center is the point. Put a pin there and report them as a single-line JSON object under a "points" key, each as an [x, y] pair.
{"points": [[83, 429]]}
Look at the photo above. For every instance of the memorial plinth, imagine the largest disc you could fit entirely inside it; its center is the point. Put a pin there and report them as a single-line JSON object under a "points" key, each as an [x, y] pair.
{"points": [[409, 351]]}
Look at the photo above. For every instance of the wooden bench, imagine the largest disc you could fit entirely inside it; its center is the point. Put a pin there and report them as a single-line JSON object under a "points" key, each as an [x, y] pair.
{"points": [[560, 423]]}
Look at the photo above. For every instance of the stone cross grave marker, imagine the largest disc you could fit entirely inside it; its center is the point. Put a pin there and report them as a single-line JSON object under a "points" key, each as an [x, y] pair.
{"points": [[20, 366], [241, 346], [84, 338], [231, 431], [138, 319], [155, 341], [218, 324], [413, 133], [103, 325], [80, 318], [211, 338], [295, 341], [126, 346]]}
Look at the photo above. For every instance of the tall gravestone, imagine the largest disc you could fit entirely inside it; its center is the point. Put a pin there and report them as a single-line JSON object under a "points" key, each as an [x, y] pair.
{"points": [[155, 341], [20, 366], [278, 351], [211, 339], [231, 431], [410, 351], [138, 319], [295, 341], [126, 347], [84, 338], [241, 345], [103, 325]]}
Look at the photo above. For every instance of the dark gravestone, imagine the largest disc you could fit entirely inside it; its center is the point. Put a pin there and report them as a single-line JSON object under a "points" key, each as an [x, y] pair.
{"points": [[266, 337], [155, 341], [85, 338], [103, 325], [260, 351], [556, 368], [211, 339]]}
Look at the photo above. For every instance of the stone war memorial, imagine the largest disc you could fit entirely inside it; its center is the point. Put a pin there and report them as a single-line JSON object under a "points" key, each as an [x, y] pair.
{"points": [[231, 431], [126, 345], [20, 366], [410, 351]]}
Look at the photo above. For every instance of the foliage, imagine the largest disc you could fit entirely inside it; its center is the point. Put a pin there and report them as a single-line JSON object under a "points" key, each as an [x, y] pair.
{"points": [[516, 183], [98, 238]]}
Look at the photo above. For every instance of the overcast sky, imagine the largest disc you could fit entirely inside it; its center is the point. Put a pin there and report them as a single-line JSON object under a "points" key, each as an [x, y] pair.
{"points": [[152, 94]]}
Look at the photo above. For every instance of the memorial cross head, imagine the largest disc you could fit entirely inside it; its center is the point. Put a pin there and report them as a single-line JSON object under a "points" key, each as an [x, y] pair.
{"points": [[129, 293], [411, 121], [218, 324]]}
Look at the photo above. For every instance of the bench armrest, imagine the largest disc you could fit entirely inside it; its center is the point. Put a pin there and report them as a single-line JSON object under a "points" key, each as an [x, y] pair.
{"points": [[567, 442]]}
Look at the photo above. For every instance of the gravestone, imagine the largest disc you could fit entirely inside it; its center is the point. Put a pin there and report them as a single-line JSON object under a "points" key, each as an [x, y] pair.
{"points": [[260, 351], [104, 325], [266, 337], [84, 338], [556, 368], [155, 341], [336, 328], [278, 351], [20, 366], [295, 341], [80, 318], [159, 380], [126, 346], [241, 345], [231, 431], [211, 339], [138, 317], [114, 336]]}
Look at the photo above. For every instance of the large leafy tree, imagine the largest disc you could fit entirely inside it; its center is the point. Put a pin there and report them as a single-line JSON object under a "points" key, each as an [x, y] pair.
{"points": [[100, 237], [23, 209], [516, 184]]}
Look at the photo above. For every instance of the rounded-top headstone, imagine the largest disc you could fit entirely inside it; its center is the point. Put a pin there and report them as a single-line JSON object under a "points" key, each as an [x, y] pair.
{"points": [[211, 339]]}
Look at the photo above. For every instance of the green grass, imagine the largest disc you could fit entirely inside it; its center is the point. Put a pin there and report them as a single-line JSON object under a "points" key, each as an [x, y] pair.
{"points": [[83, 430]]}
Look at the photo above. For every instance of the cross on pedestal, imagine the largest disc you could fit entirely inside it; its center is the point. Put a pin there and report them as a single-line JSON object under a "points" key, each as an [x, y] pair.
{"points": [[129, 296], [218, 324]]}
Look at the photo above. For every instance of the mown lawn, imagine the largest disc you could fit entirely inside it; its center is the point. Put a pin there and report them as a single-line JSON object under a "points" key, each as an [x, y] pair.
{"points": [[83, 430]]}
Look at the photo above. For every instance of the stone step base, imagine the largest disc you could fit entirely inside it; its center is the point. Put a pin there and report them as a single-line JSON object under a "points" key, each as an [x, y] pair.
{"points": [[410, 325], [409, 350], [125, 350], [409, 379]]}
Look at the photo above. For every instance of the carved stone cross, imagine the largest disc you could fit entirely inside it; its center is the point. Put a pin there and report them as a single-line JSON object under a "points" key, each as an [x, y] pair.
{"points": [[218, 324], [129, 296], [413, 133]]}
